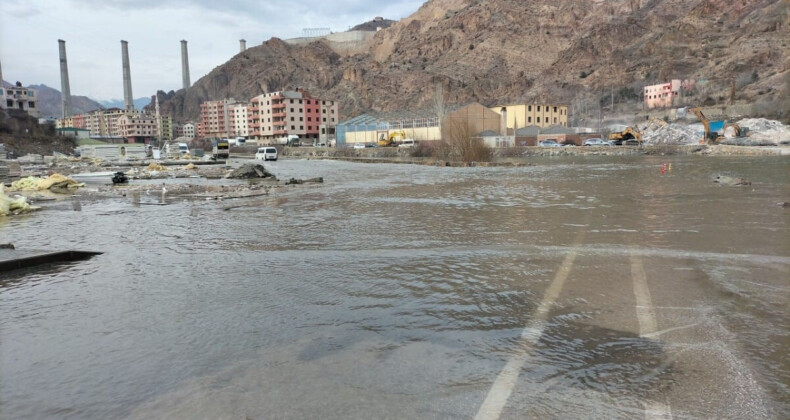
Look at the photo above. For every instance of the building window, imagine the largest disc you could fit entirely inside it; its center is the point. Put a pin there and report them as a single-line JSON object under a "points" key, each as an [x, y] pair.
{"points": [[309, 119], [324, 119], [292, 110], [292, 101], [555, 120], [555, 110], [300, 110], [538, 110], [538, 120], [333, 120], [324, 110], [529, 119], [301, 119], [292, 118], [301, 127], [292, 128], [300, 101]]}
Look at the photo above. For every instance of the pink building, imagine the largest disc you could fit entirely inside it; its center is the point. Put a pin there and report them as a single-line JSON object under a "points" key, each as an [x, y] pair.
{"points": [[663, 95], [280, 114]]}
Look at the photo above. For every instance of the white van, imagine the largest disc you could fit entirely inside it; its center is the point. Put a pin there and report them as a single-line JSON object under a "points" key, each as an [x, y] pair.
{"points": [[408, 143], [266, 153]]}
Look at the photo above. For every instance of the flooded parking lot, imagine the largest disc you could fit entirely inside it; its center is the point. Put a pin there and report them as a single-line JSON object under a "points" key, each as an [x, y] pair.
{"points": [[578, 288]]}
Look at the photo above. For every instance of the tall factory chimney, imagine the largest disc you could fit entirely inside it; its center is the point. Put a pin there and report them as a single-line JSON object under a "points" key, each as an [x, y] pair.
{"points": [[184, 64], [65, 90], [1, 77], [242, 45], [503, 122], [128, 100]]}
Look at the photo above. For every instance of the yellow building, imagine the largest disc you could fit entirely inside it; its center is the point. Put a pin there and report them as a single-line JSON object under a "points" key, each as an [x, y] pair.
{"points": [[523, 115]]}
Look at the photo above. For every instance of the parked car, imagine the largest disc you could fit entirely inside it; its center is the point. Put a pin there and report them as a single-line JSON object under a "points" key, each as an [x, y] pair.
{"points": [[359, 145], [266, 153], [368, 145], [408, 143], [549, 143], [595, 142]]}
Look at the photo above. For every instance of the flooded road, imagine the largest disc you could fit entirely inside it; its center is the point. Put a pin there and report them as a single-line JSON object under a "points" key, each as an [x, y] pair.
{"points": [[586, 288]]}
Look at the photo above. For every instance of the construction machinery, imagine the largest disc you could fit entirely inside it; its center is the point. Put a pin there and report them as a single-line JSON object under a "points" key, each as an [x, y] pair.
{"points": [[390, 141], [730, 130], [628, 136]]}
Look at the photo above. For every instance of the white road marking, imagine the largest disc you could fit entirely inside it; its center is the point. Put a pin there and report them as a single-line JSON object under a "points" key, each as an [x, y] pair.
{"points": [[648, 327], [503, 386]]}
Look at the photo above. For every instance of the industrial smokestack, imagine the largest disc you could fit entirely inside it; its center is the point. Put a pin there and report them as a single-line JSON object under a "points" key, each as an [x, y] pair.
{"points": [[184, 64], [1, 76], [65, 90], [503, 122], [242, 45], [128, 100]]}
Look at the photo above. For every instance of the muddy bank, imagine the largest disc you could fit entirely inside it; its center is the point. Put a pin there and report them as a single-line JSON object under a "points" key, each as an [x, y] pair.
{"points": [[519, 156]]}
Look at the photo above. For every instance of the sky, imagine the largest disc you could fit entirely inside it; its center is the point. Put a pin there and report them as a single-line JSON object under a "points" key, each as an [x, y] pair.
{"points": [[93, 29]]}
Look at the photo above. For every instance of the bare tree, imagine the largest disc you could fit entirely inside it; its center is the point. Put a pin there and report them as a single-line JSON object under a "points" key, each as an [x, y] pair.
{"points": [[459, 143]]}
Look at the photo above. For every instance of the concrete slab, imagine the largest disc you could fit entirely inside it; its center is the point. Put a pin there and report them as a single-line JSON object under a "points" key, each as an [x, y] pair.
{"points": [[12, 259]]}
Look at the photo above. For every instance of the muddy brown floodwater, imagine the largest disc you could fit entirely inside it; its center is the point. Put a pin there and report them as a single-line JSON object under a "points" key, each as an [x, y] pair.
{"points": [[585, 288]]}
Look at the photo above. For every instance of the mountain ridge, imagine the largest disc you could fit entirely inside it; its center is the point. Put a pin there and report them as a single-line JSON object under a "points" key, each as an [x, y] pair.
{"points": [[508, 51]]}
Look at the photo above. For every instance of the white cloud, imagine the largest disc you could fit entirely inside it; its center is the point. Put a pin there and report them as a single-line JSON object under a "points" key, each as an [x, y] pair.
{"points": [[29, 30]]}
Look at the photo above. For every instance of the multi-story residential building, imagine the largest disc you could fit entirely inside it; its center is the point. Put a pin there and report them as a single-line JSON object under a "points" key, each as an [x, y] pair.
{"points": [[237, 115], [662, 95], [524, 115], [20, 98], [188, 130], [200, 130], [215, 116], [167, 127], [280, 114], [137, 127]]}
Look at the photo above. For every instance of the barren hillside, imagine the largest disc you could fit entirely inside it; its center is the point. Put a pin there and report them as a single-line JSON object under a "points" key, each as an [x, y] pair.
{"points": [[500, 51]]}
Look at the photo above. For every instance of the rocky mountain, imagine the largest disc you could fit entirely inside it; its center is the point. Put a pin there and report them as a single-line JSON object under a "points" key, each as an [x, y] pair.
{"points": [[503, 51], [49, 102], [375, 24]]}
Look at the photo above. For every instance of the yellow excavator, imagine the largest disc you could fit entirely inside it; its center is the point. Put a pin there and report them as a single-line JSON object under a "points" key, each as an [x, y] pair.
{"points": [[627, 136], [389, 141], [730, 130]]}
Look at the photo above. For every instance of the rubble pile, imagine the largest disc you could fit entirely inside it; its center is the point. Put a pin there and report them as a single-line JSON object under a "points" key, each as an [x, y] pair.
{"points": [[670, 134], [249, 170], [762, 130]]}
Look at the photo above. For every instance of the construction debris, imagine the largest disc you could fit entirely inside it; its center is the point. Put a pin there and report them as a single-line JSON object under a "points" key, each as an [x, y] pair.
{"points": [[765, 130], [250, 170], [670, 134], [304, 181], [10, 205], [730, 181], [52, 182], [153, 166]]}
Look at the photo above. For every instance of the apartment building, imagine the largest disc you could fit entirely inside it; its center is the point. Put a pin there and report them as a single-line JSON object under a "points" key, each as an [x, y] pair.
{"points": [[280, 114], [167, 127], [524, 115], [20, 98], [662, 95], [215, 117], [137, 127], [188, 130], [237, 116]]}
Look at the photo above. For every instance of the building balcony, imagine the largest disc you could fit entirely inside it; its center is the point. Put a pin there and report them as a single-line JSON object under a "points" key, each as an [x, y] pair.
{"points": [[280, 105], [280, 132], [278, 115]]}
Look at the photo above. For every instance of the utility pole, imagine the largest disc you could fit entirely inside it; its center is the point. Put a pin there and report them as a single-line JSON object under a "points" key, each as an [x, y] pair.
{"points": [[612, 109]]}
